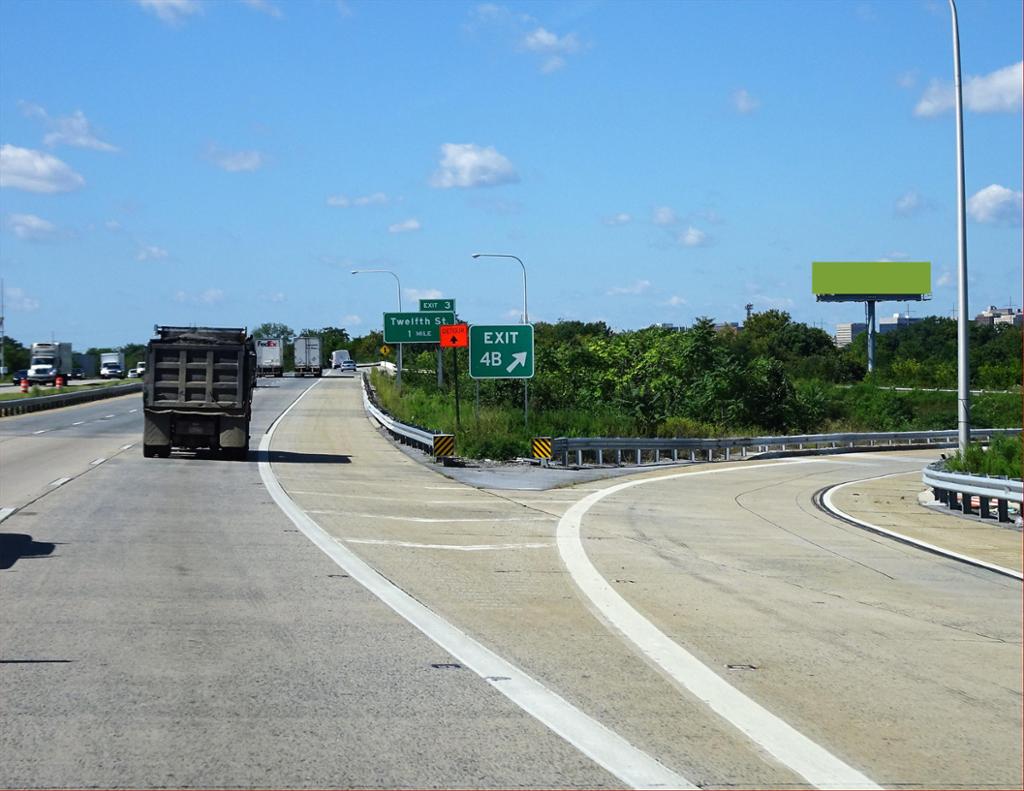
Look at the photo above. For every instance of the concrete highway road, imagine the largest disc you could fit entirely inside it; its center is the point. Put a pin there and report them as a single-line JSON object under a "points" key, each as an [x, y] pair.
{"points": [[171, 623]]}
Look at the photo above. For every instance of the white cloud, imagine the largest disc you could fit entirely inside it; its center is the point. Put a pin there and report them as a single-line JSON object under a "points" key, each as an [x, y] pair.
{"points": [[744, 103], [18, 301], [639, 287], [351, 320], [1002, 91], [665, 215], [73, 130], [417, 294], [236, 161], [909, 204], [996, 205], [266, 7], [34, 171], [151, 253], [31, 228], [171, 12], [343, 201], [468, 165], [622, 218], [412, 224], [693, 237]]}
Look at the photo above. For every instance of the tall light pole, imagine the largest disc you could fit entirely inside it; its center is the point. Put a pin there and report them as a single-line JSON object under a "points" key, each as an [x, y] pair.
{"points": [[398, 283], [962, 327], [526, 320]]}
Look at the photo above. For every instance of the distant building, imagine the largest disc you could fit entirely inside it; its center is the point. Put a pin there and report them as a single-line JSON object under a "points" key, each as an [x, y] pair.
{"points": [[994, 315], [897, 320], [845, 333]]}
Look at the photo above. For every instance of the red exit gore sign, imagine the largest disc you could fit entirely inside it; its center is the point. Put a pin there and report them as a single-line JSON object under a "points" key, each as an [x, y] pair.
{"points": [[454, 336]]}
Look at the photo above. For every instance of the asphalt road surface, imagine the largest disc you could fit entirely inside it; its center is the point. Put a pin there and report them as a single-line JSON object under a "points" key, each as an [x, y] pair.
{"points": [[332, 613]]}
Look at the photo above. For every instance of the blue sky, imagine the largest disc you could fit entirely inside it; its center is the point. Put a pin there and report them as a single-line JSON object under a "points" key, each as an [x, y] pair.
{"points": [[228, 162]]}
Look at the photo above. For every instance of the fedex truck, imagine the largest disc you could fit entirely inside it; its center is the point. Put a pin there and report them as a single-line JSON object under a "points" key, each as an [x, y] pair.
{"points": [[269, 358]]}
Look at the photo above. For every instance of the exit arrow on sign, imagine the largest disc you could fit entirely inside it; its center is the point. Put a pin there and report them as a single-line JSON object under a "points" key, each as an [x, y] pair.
{"points": [[517, 360]]}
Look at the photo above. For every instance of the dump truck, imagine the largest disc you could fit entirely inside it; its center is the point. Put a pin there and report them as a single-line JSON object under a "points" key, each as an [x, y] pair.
{"points": [[268, 357], [197, 390], [307, 356]]}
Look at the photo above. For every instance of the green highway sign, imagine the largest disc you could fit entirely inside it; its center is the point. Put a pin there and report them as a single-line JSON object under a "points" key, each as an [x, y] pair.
{"points": [[437, 304], [501, 351], [416, 327]]}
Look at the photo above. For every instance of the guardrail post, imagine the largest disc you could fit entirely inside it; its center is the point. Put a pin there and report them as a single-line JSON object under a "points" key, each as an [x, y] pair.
{"points": [[1003, 510]]}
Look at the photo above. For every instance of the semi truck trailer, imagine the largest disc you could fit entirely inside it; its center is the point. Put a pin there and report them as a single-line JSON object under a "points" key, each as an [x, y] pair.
{"points": [[307, 356], [269, 360], [197, 390]]}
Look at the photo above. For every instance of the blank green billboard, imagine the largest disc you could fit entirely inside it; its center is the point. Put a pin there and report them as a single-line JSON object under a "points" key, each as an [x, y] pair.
{"points": [[871, 277]]}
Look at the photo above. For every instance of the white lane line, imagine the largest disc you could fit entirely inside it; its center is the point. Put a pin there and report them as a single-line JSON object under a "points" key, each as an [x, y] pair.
{"points": [[94, 462], [785, 743], [830, 505], [128, 446], [6, 512], [630, 765], [41, 431], [432, 520], [59, 482], [78, 423], [458, 547]]}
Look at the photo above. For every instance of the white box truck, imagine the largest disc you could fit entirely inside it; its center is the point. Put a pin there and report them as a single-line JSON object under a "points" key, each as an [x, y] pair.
{"points": [[112, 365], [269, 361], [48, 361], [307, 356]]}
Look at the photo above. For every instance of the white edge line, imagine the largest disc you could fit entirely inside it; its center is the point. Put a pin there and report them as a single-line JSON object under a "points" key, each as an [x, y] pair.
{"points": [[948, 553], [606, 748], [6, 512], [776, 736]]}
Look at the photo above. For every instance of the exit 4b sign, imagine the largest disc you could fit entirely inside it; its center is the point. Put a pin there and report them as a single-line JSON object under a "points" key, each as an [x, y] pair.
{"points": [[501, 351]]}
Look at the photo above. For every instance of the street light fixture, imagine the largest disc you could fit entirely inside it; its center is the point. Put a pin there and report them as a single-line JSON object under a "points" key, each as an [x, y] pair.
{"points": [[398, 283]]}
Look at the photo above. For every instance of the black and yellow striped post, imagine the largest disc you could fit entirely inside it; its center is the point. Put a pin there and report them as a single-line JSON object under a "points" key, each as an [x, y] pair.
{"points": [[541, 447], [444, 445]]}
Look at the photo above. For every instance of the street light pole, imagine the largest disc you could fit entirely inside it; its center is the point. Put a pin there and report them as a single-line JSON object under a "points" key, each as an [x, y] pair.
{"points": [[526, 320], [962, 327], [398, 284]]}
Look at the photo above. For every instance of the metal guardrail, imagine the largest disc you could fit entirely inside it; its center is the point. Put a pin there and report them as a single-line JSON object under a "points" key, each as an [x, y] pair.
{"points": [[20, 406], [637, 448], [403, 432], [956, 490]]}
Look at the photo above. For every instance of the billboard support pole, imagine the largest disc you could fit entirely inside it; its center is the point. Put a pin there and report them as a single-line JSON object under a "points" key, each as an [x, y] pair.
{"points": [[870, 305]]}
